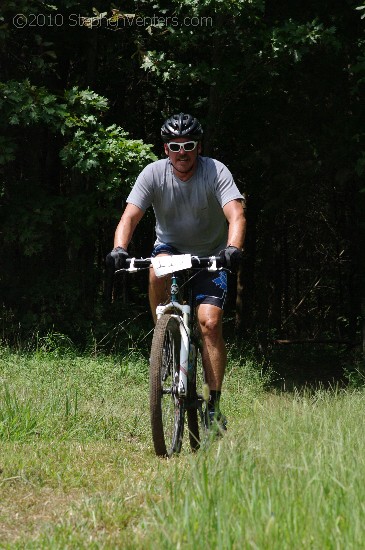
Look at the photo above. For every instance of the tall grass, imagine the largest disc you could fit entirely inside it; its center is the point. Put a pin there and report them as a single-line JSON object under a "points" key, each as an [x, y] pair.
{"points": [[63, 396], [291, 477], [77, 468]]}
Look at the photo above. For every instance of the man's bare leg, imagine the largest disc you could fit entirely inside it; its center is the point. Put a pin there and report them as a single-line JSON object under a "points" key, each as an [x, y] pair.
{"points": [[214, 354], [158, 291]]}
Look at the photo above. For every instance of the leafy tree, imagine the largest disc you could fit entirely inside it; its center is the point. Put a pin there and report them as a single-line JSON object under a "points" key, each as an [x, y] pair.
{"points": [[62, 172], [278, 87]]}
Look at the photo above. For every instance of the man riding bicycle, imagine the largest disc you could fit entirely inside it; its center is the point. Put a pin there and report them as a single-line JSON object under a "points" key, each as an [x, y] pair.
{"points": [[200, 211]]}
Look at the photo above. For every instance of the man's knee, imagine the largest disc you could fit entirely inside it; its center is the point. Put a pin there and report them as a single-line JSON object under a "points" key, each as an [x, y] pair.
{"points": [[157, 283], [158, 290], [210, 320], [153, 280]]}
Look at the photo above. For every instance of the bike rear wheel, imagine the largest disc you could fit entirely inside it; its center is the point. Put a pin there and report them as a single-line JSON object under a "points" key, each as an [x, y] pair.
{"points": [[192, 410], [166, 407]]}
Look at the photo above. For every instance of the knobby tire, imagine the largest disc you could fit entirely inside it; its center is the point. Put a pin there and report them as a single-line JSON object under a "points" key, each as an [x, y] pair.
{"points": [[192, 411], [166, 408]]}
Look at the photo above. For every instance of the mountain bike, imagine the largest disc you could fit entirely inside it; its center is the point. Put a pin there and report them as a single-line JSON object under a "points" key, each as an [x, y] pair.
{"points": [[177, 382]]}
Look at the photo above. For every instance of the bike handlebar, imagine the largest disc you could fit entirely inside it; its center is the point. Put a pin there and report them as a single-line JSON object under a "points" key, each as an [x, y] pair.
{"points": [[196, 261], [135, 264]]}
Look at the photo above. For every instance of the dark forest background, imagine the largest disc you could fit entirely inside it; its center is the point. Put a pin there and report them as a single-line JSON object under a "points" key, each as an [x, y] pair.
{"points": [[279, 89]]}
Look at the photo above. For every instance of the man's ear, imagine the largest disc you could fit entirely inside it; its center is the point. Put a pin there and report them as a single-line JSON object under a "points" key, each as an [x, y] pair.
{"points": [[199, 147], [166, 149]]}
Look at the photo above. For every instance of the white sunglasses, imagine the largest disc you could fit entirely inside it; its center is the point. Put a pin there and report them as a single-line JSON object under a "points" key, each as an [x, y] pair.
{"points": [[175, 147]]}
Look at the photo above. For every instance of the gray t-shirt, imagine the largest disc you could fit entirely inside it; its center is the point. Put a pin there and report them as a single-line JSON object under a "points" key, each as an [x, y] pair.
{"points": [[189, 214]]}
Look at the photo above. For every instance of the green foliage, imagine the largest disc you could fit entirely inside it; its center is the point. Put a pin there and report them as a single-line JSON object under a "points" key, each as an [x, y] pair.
{"points": [[100, 163], [91, 148], [297, 40], [23, 104], [55, 345], [106, 154], [278, 88], [253, 38]]}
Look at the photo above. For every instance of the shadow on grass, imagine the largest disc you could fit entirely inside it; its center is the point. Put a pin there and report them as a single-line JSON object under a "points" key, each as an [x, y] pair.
{"points": [[310, 366]]}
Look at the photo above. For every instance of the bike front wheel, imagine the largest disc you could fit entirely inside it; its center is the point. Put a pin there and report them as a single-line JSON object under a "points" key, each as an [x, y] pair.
{"points": [[166, 407]]}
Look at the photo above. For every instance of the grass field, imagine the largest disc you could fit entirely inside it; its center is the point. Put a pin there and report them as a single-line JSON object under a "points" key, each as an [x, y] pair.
{"points": [[77, 468]]}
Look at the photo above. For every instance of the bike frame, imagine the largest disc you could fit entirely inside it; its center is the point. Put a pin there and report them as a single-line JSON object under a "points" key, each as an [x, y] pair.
{"points": [[184, 261], [184, 324]]}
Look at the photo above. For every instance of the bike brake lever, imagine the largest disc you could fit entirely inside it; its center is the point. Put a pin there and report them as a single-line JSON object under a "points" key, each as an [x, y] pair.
{"points": [[213, 265], [131, 266]]}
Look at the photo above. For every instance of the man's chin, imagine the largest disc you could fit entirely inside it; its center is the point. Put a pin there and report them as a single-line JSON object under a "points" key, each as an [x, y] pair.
{"points": [[183, 167]]}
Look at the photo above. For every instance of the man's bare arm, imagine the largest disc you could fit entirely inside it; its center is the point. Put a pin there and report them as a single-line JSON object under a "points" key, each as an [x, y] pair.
{"points": [[235, 214], [131, 217]]}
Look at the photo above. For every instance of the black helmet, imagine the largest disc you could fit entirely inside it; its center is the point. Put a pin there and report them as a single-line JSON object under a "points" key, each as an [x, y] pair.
{"points": [[181, 125]]}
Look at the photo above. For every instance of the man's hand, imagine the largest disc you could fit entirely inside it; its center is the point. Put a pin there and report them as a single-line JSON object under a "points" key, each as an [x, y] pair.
{"points": [[117, 256], [232, 257]]}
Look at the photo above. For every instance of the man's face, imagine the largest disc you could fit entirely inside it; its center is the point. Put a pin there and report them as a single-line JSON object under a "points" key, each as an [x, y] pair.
{"points": [[184, 162]]}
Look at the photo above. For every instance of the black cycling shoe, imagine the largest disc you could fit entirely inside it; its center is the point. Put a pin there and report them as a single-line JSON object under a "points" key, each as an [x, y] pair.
{"points": [[217, 422]]}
